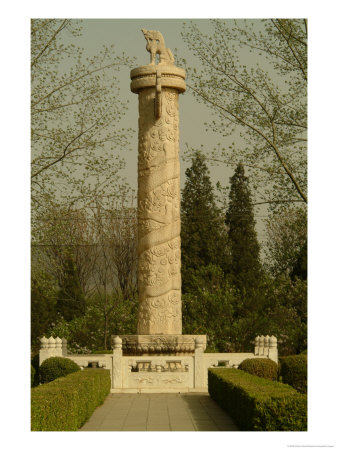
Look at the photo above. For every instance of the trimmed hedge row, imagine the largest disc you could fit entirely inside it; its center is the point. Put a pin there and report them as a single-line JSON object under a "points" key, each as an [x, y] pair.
{"points": [[65, 404], [257, 404], [293, 370], [261, 367]]}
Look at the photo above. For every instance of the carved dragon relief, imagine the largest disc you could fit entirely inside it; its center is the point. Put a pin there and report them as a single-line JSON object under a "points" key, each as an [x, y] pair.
{"points": [[160, 309], [158, 145], [158, 264], [159, 277]]}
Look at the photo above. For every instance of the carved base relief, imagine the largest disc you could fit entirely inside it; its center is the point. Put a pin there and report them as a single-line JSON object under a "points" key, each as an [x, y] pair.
{"points": [[179, 344]]}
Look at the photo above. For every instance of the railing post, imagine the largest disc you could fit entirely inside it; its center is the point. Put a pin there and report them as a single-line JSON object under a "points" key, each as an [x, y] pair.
{"points": [[64, 347], [266, 345], [43, 353], [200, 374], [273, 350], [58, 347], [261, 346], [117, 363]]}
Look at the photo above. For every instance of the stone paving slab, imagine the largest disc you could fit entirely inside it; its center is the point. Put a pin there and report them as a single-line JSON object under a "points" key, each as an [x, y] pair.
{"points": [[159, 412]]}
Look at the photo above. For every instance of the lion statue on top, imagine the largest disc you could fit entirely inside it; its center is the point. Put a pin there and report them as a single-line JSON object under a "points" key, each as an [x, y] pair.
{"points": [[156, 45]]}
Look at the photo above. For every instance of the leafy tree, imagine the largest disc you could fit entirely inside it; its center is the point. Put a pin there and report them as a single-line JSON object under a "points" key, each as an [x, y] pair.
{"points": [[208, 307], [286, 246], [262, 97], [70, 300], [244, 247], [300, 268], [43, 313], [75, 114], [114, 274], [275, 306], [56, 232], [103, 247], [202, 225], [87, 333], [287, 315]]}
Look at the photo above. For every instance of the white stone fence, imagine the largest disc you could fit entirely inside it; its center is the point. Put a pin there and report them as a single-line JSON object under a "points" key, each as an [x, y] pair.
{"points": [[52, 347], [160, 373], [266, 346]]}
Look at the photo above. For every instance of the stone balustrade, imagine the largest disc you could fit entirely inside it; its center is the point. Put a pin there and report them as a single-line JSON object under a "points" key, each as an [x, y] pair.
{"points": [[160, 373], [52, 347], [266, 346]]}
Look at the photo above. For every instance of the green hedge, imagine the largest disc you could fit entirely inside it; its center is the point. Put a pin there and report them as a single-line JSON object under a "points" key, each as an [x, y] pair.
{"points": [[56, 367], [32, 375], [261, 367], [257, 404], [66, 403], [293, 370]]}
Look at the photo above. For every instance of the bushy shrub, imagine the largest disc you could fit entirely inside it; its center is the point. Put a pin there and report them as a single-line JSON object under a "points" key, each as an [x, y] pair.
{"points": [[32, 375], [261, 367], [56, 367], [66, 403], [294, 371], [86, 333], [256, 404]]}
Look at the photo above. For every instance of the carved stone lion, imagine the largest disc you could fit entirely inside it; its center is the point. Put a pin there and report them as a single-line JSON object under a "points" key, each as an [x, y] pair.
{"points": [[156, 45]]}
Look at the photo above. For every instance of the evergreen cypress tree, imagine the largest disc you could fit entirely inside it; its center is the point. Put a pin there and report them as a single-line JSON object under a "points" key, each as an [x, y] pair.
{"points": [[42, 308], [244, 247], [70, 301], [203, 237]]}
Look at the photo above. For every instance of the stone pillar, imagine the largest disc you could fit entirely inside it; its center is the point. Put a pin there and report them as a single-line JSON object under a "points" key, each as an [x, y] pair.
{"points": [[266, 345], [273, 350], [64, 347], [256, 352], [159, 270], [43, 353], [261, 346], [49, 348], [117, 363], [200, 372]]}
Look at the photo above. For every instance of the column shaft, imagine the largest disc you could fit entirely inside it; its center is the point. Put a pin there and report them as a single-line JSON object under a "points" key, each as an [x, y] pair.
{"points": [[159, 270]]}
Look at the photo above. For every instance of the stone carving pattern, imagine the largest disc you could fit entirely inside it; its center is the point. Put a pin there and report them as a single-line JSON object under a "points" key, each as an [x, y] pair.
{"points": [[150, 380], [159, 275]]}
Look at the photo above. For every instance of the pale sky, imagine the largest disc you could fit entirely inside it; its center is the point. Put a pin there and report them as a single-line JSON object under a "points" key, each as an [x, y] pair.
{"points": [[127, 37]]}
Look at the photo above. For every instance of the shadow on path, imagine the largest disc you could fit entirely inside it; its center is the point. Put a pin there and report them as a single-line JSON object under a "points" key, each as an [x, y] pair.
{"points": [[206, 414]]}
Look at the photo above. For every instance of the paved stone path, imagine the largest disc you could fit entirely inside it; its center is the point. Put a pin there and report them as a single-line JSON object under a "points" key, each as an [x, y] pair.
{"points": [[159, 412]]}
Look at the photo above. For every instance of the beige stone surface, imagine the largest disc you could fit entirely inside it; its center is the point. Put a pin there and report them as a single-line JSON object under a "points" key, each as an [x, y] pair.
{"points": [[159, 246], [159, 412]]}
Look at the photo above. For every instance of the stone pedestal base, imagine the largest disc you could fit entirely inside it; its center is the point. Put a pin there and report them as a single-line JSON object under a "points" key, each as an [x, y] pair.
{"points": [[161, 344]]}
